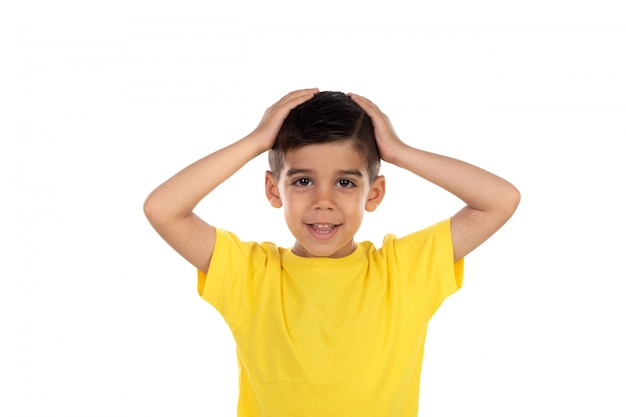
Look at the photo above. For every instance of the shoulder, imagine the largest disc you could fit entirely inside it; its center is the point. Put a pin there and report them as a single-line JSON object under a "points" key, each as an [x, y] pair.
{"points": [[427, 256], [425, 252], [233, 256], [435, 235], [234, 260], [230, 243]]}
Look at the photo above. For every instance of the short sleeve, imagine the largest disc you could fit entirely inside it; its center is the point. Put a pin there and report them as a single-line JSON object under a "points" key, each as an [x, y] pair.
{"points": [[229, 283], [426, 260]]}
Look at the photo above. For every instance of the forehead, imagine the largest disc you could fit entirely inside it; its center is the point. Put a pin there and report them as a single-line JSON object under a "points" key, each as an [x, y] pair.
{"points": [[325, 157]]}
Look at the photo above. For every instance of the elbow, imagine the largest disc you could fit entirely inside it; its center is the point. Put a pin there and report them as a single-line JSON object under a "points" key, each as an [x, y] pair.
{"points": [[151, 209], [511, 200], [159, 211]]}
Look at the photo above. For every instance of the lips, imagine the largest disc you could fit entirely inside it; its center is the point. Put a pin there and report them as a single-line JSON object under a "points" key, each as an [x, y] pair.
{"points": [[322, 231], [322, 227]]}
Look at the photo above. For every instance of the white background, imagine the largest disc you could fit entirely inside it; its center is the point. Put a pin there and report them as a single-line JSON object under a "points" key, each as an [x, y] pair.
{"points": [[101, 101]]}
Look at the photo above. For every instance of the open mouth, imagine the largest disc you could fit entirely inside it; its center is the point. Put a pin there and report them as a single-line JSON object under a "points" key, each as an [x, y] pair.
{"points": [[323, 231], [322, 228]]}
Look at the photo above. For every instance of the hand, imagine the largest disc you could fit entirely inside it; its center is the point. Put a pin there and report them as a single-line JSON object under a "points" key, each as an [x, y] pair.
{"points": [[388, 142], [275, 115]]}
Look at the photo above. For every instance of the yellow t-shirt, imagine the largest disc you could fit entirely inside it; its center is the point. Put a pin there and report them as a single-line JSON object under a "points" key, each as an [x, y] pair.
{"points": [[330, 337]]}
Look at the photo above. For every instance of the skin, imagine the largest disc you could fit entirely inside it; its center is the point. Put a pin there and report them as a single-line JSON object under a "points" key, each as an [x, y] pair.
{"points": [[489, 200], [324, 190]]}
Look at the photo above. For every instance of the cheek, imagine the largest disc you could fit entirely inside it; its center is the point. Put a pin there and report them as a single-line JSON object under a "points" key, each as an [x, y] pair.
{"points": [[292, 206], [360, 200], [355, 206]]}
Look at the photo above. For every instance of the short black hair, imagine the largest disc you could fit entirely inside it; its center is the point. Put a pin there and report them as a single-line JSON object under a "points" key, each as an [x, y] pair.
{"points": [[329, 116]]}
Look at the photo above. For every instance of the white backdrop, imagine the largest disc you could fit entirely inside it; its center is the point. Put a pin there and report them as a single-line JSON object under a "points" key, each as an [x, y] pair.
{"points": [[100, 101]]}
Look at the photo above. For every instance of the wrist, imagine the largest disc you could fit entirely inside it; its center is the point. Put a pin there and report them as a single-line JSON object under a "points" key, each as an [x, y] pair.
{"points": [[254, 141], [394, 155]]}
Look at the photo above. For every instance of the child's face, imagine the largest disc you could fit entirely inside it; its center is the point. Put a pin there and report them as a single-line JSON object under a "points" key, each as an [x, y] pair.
{"points": [[324, 189]]}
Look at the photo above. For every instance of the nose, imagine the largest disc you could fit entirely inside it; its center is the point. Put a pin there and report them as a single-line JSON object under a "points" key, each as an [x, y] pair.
{"points": [[324, 198]]}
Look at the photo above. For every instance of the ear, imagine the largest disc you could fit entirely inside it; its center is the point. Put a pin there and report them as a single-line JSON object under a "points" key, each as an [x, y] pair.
{"points": [[376, 194], [271, 190]]}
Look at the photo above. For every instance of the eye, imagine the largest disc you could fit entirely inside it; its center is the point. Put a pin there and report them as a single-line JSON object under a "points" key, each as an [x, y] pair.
{"points": [[302, 182], [345, 183]]}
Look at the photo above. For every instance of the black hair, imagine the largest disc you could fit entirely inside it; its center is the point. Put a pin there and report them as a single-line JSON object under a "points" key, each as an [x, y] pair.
{"points": [[329, 116]]}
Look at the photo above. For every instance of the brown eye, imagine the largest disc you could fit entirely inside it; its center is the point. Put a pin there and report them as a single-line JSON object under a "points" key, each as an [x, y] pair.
{"points": [[345, 183]]}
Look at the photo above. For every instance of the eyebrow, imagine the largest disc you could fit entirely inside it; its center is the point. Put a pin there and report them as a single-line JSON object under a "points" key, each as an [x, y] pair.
{"points": [[300, 171]]}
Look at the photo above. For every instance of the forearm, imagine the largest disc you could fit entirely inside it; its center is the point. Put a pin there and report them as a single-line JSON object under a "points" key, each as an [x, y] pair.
{"points": [[490, 200], [178, 196], [478, 188]]}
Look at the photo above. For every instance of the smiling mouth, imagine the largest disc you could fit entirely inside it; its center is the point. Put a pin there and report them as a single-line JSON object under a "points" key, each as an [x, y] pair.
{"points": [[322, 228]]}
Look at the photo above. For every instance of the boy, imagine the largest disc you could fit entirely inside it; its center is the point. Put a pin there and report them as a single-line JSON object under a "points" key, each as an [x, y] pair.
{"points": [[329, 327]]}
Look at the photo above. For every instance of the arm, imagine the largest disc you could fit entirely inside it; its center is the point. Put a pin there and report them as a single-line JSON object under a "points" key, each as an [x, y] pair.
{"points": [[169, 208], [490, 200]]}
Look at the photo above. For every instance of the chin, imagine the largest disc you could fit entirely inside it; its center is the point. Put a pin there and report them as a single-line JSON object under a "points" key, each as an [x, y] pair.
{"points": [[330, 253]]}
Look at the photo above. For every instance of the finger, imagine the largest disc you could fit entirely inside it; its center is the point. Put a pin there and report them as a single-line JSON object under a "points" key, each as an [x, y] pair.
{"points": [[365, 104], [279, 111], [293, 99], [299, 95], [371, 109]]}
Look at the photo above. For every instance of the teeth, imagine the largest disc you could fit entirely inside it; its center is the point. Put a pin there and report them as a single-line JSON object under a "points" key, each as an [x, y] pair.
{"points": [[323, 226]]}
